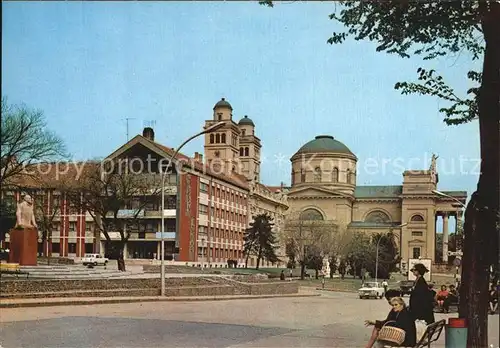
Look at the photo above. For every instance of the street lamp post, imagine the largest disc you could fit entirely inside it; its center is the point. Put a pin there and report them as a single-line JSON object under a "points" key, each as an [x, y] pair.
{"points": [[439, 193], [378, 245], [164, 174]]}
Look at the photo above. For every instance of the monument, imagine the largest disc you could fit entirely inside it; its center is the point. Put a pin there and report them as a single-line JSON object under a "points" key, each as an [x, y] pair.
{"points": [[24, 237]]}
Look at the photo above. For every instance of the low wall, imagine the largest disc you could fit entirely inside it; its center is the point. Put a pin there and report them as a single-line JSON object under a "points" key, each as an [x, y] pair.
{"points": [[32, 286], [443, 268], [55, 261]]}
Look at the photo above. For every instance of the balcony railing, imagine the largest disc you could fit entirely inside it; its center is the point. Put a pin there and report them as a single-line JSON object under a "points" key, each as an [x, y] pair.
{"points": [[168, 213]]}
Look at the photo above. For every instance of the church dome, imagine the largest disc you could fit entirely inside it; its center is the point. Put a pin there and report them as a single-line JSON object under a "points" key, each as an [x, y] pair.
{"points": [[324, 143], [223, 103], [246, 121]]}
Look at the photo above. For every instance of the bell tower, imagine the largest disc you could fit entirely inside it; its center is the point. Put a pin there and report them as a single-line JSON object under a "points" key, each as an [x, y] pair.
{"points": [[221, 146], [249, 150]]}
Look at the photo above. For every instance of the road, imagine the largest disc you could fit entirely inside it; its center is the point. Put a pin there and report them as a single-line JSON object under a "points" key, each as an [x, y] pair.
{"points": [[331, 320]]}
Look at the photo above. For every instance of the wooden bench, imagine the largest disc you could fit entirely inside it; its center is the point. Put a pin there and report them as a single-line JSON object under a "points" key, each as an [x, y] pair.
{"points": [[12, 269], [431, 334]]}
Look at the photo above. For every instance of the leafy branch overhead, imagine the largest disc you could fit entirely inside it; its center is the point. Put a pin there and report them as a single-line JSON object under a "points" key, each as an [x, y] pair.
{"points": [[461, 110]]}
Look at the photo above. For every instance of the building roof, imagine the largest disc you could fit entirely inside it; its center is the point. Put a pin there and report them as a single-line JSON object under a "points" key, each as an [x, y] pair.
{"points": [[51, 175], [246, 121], [324, 143], [392, 191], [234, 178], [223, 103]]}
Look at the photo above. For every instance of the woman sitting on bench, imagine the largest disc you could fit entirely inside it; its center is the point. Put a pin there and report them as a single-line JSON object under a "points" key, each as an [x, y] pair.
{"points": [[441, 297], [399, 317]]}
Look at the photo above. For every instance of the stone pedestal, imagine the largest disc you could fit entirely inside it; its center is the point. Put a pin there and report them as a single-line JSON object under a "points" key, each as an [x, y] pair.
{"points": [[23, 246]]}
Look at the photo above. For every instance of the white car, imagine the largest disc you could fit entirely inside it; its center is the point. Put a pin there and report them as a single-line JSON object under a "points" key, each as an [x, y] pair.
{"points": [[371, 289], [94, 259]]}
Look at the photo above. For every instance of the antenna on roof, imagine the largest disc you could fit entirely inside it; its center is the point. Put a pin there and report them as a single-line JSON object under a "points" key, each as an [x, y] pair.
{"points": [[126, 120]]}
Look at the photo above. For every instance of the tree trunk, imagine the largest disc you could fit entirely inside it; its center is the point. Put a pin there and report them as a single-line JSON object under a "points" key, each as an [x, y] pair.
{"points": [[316, 275], [302, 270], [259, 256], [480, 232], [121, 256]]}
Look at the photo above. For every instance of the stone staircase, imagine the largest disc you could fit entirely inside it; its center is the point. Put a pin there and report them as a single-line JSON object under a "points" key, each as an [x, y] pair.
{"points": [[72, 272]]}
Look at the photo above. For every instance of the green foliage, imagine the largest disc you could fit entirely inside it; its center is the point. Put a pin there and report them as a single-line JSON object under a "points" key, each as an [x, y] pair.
{"points": [[388, 257], [429, 30], [260, 240], [313, 257], [290, 252], [461, 110]]}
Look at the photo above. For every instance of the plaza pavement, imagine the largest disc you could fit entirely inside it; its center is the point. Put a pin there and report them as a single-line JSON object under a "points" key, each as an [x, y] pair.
{"points": [[331, 320]]}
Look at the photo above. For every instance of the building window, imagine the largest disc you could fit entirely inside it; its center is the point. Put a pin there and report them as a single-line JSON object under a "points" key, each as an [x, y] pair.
{"points": [[417, 217], [203, 209], [211, 139], [349, 176], [217, 138], [335, 175], [317, 174], [142, 235], [241, 151], [416, 252], [223, 138], [417, 234], [378, 217], [72, 248], [243, 132], [246, 151], [72, 226], [203, 187], [302, 175], [219, 116]]}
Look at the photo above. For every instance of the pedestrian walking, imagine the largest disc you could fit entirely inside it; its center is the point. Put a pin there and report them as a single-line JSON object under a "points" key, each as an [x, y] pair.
{"points": [[421, 299], [385, 285]]}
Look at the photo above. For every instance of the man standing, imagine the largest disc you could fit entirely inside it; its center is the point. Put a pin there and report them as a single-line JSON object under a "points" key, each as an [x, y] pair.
{"points": [[385, 284]]}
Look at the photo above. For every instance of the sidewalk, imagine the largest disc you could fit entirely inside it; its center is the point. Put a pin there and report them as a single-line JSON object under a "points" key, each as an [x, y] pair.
{"points": [[72, 301]]}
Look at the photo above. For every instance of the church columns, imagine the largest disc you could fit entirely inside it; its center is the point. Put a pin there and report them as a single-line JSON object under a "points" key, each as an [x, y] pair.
{"points": [[445, 237]]}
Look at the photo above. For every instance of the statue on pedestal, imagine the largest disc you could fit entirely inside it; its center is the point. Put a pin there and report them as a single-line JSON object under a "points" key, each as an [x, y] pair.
{"points": [[24, 214], [433, 168]]}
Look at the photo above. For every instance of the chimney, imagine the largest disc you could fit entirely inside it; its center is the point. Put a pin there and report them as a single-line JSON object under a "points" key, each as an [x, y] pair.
{"points": [[198, 157], [148, 133]]}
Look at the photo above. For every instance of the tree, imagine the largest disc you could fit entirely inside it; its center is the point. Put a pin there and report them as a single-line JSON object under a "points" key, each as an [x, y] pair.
{"points": [[290, 248], [260, 239], [46, 209], [388, 257], [25, 140], [360, 253], [313, 258], [431, 30], [302, 235], [115, 200]]}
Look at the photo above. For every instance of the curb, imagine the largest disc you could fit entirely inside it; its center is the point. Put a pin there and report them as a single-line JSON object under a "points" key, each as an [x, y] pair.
{"points": [[140, 299], [337, 290]]}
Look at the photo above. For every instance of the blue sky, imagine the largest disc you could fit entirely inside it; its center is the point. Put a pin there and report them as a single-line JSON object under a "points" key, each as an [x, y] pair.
{"points": [[90, 65]]}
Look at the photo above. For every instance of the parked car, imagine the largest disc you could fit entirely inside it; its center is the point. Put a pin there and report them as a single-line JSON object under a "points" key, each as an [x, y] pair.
{"points": [[405, 286], [371, 289], [94, 259]]}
